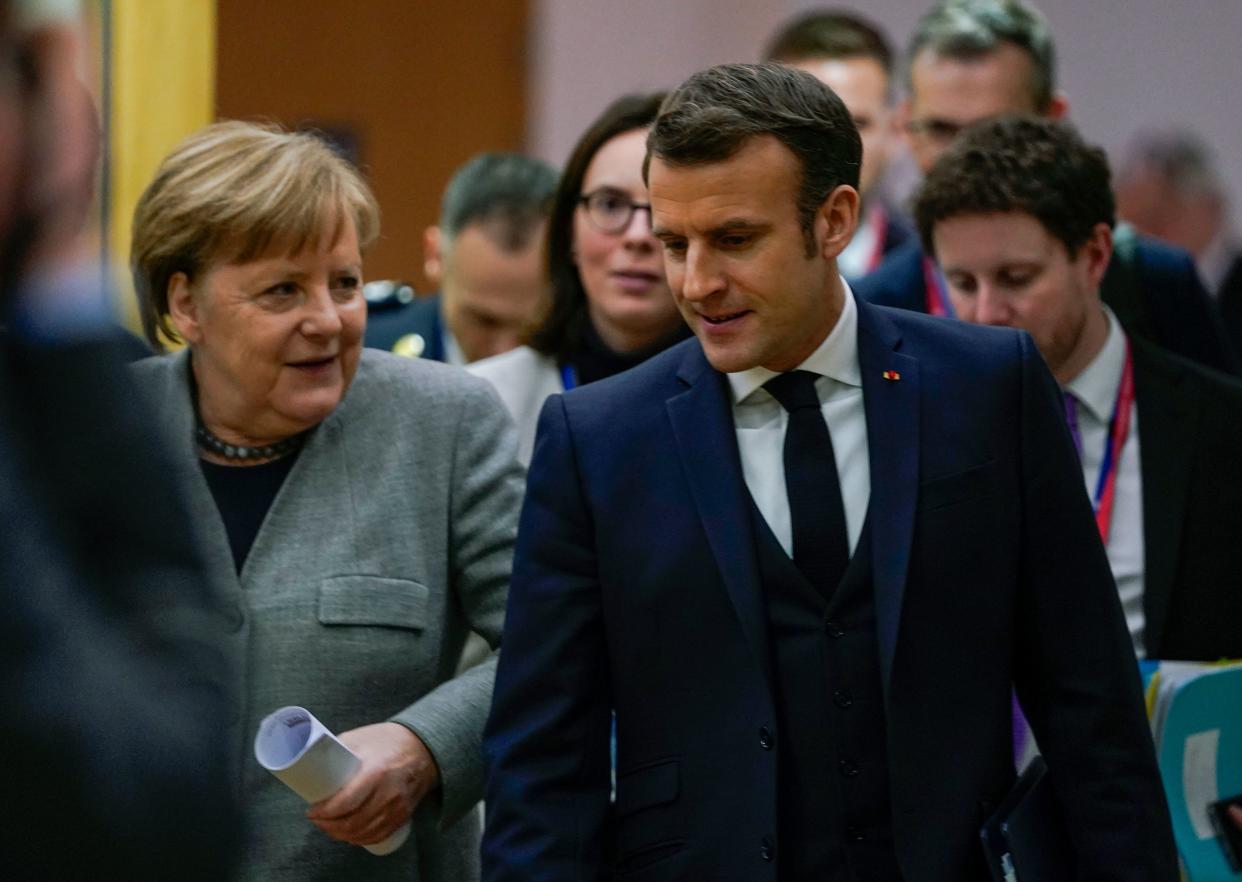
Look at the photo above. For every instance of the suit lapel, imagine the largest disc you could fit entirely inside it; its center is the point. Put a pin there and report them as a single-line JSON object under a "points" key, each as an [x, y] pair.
{"points": [[891, 402], [703, 429], [1167, 422], [178, 408]]}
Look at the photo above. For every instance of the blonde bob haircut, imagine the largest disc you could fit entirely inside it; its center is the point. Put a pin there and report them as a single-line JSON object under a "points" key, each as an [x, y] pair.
{"points": [[233, 192]]}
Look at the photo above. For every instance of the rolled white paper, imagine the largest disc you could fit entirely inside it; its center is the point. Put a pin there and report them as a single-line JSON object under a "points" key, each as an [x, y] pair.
{"points": [[300, 751]]}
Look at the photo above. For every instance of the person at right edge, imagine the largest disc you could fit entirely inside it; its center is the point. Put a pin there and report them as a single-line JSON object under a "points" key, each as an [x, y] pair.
{"points": [[973, 59], [805, 558]]}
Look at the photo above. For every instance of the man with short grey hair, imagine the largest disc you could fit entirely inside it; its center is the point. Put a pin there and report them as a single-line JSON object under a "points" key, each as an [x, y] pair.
{"points": [[486, 256], [971, 60], [1169, 186]]}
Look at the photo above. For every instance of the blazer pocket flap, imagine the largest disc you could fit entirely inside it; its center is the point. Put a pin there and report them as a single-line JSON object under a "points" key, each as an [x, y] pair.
{"points": [[957, 487], [372, 600], [650, 785]]}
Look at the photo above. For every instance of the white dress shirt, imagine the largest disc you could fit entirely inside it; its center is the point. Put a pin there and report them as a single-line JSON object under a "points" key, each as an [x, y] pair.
{"points": [[1095, 390], [760, 423]]}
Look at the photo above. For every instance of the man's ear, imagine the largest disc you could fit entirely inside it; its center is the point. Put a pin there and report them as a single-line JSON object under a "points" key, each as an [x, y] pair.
{"points": [[1098, 251], [836, 220], [433, 256], [183, 308]]}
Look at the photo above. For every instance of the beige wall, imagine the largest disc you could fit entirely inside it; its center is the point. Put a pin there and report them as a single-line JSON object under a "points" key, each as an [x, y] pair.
{"points": [[423, 85]]}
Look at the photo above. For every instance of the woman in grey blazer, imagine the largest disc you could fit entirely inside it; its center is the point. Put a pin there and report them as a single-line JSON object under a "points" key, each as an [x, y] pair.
{"points": [[357, 509]]}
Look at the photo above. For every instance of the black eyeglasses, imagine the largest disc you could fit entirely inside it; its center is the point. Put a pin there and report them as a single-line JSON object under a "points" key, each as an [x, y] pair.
{"points": [[610, 211]]}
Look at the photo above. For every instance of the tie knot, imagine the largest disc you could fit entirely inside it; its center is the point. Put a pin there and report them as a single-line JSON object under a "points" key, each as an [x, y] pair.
{"points": [[794, 390]]}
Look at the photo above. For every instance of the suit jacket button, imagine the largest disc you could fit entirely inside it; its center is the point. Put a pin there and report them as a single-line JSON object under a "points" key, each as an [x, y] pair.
{"points": [[855, 834], [834, 630], [848, 768], [842, 699], [765, 738], [767, 850]]}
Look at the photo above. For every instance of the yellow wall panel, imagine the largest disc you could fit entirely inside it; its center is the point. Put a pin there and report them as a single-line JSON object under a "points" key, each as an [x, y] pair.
{"points": [[163, 73]]}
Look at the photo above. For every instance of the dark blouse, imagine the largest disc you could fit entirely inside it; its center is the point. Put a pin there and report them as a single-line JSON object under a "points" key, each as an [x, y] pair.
{"points": [[594, 360], [243, 494]]}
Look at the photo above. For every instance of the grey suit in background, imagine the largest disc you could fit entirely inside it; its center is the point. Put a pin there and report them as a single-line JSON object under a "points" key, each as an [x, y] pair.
{"points": [[391, 538]]}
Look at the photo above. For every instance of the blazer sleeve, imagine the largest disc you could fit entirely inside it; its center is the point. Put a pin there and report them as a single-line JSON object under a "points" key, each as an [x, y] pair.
{"points": [[1075, 670], [547, 738], [484, 499]]}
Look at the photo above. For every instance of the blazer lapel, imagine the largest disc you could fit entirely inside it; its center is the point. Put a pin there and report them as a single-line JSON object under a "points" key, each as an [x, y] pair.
{"points": [[1167, 422], [703, 429], [891, 403], [178, 408]]}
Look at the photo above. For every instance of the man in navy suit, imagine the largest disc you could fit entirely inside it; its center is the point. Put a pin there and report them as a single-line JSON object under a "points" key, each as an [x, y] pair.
{"points": [[1019, 215], [973, 59], [803, 559]]}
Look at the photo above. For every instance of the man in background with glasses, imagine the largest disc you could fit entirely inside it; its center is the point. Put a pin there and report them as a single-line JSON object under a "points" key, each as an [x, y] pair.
{"points": [[973, 59]]}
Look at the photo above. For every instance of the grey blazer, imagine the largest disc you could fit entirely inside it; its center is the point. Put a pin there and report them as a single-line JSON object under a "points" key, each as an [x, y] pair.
{"points": [[391, 538]]}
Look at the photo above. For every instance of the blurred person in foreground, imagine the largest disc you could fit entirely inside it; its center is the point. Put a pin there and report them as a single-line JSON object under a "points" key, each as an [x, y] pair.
{"points": [[358, 508], [804, 559], [611, 308], [486, 258], [1169, 186], [1019, 215], [973, 59], [115, 678], [853, 58]]}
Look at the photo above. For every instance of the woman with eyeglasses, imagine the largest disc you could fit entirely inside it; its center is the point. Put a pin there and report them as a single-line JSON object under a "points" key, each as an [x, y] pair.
{"points": [[611, 307]]}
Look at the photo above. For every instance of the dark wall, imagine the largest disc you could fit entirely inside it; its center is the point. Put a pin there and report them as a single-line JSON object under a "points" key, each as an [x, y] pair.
{"points": [[417, 87]]}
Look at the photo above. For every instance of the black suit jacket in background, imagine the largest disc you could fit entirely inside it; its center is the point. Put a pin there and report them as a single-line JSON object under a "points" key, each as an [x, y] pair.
{"points": [[1190, 450]]}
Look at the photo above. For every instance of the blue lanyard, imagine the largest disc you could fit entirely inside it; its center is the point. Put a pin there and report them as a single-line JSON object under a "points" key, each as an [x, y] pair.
{"points": [[569, 377]]}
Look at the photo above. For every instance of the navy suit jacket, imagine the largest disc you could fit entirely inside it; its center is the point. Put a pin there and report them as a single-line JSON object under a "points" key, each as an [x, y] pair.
{"points": [[1153, 288], [389, 321], [636, 590]]}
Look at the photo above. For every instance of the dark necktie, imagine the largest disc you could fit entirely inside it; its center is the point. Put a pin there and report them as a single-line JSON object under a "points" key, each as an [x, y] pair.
{"points": [[821, 547]]}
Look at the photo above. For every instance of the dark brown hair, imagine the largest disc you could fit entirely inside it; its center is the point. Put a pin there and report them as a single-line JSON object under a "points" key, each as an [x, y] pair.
{"points": [[710, 116], [1026, 164], [563, 325], [830, 34]]}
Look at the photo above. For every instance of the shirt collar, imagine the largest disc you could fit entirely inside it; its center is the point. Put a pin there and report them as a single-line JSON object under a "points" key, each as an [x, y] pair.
{"points": [[836, 356], [1096, 386]]}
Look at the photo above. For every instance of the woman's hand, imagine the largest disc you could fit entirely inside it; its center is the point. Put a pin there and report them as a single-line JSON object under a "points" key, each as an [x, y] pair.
{"points": [[397, 772]]}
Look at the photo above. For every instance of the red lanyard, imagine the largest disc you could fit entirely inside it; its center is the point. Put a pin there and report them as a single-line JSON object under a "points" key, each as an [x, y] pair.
{"points": [[879, 226], [1118, 432], [937, 295]]}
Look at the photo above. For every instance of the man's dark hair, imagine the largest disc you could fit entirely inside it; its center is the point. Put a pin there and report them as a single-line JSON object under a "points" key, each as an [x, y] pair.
{"points": [[509, 192], [1026, 164], [714, 113], [967, 29], [830, 34], [563, 327]]}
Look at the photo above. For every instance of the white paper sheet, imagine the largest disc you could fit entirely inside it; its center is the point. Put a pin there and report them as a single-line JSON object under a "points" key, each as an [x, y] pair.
{"points": [[300, 751]]}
